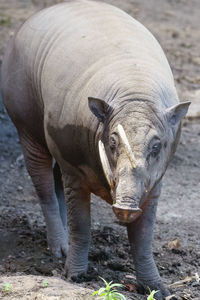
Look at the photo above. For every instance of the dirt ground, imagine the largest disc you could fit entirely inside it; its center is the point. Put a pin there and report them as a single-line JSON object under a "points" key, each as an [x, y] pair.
{"points": [[23, 247]]}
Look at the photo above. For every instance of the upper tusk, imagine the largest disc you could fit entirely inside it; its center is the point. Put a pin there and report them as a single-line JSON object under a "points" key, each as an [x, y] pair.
{"points": [[105, 164], [129, 152]]}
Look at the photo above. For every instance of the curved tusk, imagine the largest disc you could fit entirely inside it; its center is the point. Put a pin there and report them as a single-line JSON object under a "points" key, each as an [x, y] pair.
{"points": [[105, 164], [124, 139]]}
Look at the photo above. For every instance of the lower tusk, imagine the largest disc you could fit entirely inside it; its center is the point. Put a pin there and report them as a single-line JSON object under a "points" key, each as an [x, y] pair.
{"points": [[105, 165], [127, 145]]}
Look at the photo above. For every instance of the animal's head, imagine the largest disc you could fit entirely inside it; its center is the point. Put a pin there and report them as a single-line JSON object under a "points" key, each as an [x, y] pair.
{"points": [[135, 148]]}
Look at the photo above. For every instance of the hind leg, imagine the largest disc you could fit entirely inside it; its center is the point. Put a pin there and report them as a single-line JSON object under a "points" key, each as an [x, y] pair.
{"points": [[60, 195], [39, 165]]}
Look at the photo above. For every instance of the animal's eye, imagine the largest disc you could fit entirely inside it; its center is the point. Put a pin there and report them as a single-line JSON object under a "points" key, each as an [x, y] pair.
{"points": [[113, 143], [155, 149]]}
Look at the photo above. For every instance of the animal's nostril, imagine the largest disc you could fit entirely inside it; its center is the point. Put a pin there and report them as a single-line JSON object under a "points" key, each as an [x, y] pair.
{"points": [[126, 215]]}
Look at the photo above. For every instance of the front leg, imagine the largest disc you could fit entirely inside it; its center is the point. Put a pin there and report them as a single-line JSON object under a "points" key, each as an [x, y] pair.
{"points": [[78, 209], [140, 235]]}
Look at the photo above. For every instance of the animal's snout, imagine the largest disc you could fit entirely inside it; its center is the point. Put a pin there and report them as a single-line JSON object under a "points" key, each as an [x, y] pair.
{"points": [[126, 215]]}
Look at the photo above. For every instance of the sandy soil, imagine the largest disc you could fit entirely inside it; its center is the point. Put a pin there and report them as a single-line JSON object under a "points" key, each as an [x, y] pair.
{"points": [[29, 287], [23, 248]]}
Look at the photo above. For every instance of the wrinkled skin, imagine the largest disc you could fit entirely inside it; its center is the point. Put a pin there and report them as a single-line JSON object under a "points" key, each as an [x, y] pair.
{"points": [[67, 84]]}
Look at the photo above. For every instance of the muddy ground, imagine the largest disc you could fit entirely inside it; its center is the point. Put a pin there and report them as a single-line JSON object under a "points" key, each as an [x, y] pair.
{"points": [[23, 247]]}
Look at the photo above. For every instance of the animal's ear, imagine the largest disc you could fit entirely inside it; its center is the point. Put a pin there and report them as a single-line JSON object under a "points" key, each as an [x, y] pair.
{"points": [[177, 112], [99, 108]]}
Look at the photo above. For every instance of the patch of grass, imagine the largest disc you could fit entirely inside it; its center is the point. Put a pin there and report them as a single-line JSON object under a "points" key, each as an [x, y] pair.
{"points": [[108, 293], [7, 288], [5, 20], [45, 284]]}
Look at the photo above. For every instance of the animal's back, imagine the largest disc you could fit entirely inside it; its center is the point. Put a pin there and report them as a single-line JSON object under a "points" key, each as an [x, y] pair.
{"points": [[59, 49], [68, 52]]}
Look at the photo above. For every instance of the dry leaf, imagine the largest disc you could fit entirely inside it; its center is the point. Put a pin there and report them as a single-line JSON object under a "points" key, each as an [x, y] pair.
{"points": [[174, 244], [183, 282], [186, 296], [131, 287]]}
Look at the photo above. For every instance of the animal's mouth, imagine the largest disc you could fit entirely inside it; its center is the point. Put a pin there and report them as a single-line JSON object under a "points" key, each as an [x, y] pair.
{"points": [[126, 214]]}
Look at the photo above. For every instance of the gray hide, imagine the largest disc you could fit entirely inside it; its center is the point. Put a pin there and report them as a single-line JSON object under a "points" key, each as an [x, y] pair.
{"points": [[59, 58]]}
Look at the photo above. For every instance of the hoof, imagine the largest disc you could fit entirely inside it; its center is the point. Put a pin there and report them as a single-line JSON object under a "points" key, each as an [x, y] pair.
{"points": [[162, 291]]}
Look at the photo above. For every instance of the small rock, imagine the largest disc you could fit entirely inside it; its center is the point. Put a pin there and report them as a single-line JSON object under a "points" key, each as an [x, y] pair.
{"points": [[19, 188], [20, 161], [195, 284], [55, 273]]}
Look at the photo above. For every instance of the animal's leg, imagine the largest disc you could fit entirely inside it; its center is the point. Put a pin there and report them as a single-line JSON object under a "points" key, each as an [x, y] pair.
{"points": [[140, 235], [78, 209], [60, 195], [39, 165]]}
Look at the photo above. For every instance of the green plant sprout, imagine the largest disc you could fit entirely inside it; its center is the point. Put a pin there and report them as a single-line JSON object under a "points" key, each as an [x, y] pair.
{"points": [[151, 295], [108, 293], [45, 284], [6, 287]]}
